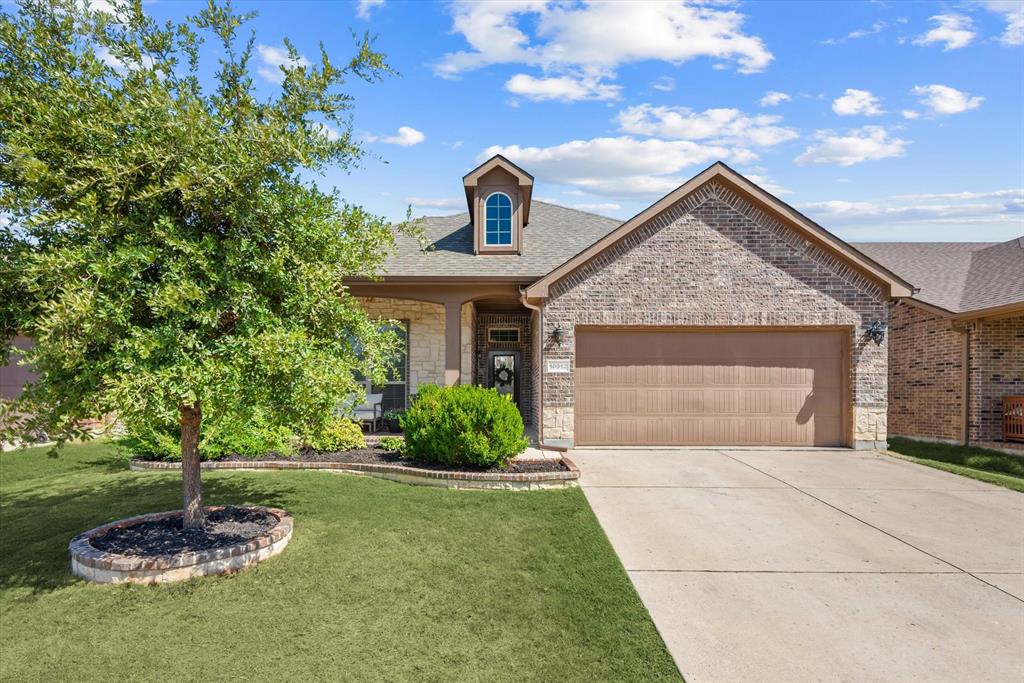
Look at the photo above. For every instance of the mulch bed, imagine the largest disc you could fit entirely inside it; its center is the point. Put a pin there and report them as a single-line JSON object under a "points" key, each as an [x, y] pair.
{"points": [[380, 456], [225, 527]]}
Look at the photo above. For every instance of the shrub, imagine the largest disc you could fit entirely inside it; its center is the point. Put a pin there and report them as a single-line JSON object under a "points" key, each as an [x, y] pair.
{"points": [[250, 438], [340, 434], [395, 444], [463, 425]]}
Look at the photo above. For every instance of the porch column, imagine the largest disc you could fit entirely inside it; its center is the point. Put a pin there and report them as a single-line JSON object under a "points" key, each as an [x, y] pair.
{"points": [[452, 342]]}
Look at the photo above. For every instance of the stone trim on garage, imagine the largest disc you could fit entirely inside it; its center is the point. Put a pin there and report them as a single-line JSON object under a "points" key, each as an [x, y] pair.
{"points": [[715, 259]]}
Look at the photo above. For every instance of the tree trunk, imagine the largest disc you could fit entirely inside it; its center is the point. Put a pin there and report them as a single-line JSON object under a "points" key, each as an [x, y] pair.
{"points": [[190, 418]]}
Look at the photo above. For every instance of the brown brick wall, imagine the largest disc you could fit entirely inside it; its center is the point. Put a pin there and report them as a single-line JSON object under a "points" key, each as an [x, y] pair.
{"points": [[997, 370], [525, 375], [925, 367], [715, 259]]}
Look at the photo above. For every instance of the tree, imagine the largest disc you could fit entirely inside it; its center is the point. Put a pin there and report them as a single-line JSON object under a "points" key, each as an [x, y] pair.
{"points": [[170, 254]]}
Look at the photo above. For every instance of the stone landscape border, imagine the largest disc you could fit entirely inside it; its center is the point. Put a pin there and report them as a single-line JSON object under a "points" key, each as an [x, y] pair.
{"points": [[99, 566], [518, 481]]}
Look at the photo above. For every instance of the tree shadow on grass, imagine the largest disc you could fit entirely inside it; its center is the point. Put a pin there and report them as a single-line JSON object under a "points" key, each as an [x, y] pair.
{"points": [[37, 524]]}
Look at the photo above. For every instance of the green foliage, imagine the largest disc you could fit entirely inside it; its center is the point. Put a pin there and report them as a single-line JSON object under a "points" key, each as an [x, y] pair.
{"points": [[337, 435], [463, 425], [164, 246], [393, 444], [252, 438]]}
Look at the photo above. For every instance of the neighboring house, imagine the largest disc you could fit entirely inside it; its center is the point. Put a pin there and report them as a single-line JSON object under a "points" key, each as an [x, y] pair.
{"points": [[957, 346], [719, 315]]}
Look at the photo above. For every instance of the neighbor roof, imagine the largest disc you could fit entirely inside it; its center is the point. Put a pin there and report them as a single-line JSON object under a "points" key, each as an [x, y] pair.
{"points": [[960, 277], [554, 235]]}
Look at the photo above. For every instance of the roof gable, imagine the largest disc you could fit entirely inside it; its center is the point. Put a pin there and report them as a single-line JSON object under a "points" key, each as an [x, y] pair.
{"points": [[897, 287]]}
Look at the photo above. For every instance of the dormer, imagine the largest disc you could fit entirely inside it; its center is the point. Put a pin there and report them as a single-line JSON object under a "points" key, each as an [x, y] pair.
{"points": [[498, 195]]}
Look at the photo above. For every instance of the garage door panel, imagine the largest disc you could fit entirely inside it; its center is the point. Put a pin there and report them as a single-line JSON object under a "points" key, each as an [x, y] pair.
{"points": [[675, 387]]}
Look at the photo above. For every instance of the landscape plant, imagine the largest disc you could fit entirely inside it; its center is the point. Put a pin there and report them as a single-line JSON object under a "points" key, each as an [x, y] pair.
{"points": [[463, 425], [340, 434], [170, 254]]}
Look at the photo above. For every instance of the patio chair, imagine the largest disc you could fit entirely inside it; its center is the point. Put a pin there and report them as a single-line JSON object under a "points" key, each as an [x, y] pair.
{"points": [[369, 412]]}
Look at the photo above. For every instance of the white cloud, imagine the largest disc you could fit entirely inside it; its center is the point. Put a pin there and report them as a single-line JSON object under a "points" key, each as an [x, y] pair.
{"points": [[274, 58], [954, 31], [618, 167], [942, 99], [925, 216], [563, 88], [605, 207], [876, 28], [447, 203], [664, 84], [773, 98], [364, 8], [854, 102], [598, 37], [910, 114], [1012, 12], [721, 126], [767, 184], [104, 54], [327, 131], [456, 144], [865, 144], [405, 137]]}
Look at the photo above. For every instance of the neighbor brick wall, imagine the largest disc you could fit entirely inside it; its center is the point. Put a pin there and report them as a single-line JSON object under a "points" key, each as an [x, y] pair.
{"points": [[716, 259], [925, 375], [997, 370]]}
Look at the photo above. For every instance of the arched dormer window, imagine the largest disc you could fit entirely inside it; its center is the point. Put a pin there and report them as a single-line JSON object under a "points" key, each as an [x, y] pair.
{"points": [[498, 226]]}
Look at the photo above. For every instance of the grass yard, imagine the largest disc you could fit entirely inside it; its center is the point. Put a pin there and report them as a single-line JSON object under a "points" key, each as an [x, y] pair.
{"points": [[381, 581], [978, 463]]}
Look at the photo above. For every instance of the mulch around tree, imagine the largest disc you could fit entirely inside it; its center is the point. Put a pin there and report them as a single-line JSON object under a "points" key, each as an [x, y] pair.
{"points": [[225, 527], [381, 456]]}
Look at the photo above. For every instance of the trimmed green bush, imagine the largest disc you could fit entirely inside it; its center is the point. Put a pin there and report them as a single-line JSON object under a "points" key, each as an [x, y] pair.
{"points": [[337, 435], [251, 438], [463, 425]]}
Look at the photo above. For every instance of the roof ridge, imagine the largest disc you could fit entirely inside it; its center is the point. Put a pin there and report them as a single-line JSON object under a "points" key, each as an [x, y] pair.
{"points": [[572, 208]]}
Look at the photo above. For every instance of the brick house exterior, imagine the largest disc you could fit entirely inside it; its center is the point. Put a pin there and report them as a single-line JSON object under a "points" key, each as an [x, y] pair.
{"points": [[750, 323], [956, 348]]}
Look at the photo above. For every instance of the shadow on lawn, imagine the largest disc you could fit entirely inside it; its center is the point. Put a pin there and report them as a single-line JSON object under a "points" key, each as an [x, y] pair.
{"points": [[37, 525]]}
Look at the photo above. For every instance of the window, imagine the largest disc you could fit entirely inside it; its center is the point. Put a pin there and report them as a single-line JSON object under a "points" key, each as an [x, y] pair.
{"points": [[395, 390], [503, 335], [498, 227]]}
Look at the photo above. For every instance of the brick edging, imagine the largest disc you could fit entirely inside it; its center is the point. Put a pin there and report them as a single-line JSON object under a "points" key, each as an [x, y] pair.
{"points": [[566, 477], [97, 565]]}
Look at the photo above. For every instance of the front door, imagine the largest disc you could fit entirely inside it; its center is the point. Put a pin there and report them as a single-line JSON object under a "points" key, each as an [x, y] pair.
{"points": [[503, 373]]}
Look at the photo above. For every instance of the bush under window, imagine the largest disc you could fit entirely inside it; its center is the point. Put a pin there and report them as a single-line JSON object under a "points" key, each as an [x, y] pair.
{"points": [[340, 434], [463, 425]]}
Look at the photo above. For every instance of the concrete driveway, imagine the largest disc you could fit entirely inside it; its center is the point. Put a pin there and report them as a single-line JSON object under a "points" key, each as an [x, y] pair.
{"points": [[800, 565]]}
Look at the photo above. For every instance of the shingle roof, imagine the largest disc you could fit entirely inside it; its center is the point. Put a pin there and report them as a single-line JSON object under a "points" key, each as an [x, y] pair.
{"points": [[957, 276], [554, 234]]}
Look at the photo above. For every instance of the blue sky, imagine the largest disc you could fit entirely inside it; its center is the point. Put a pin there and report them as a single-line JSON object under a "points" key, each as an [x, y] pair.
{"points": [[881, 120]]}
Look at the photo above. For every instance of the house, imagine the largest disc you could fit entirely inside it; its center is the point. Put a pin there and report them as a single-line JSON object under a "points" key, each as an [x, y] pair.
{"points": [[956, 348], [718, 315]]}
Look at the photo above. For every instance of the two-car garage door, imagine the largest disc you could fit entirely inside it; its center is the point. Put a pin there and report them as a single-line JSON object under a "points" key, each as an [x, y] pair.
{"points": [[671, 387]]}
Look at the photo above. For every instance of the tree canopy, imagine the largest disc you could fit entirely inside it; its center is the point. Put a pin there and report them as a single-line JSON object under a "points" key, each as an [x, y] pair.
{"points": [[163, 241]]}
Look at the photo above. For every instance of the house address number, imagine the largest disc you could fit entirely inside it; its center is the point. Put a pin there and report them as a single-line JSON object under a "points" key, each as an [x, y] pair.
{"points": [[558, 365]]}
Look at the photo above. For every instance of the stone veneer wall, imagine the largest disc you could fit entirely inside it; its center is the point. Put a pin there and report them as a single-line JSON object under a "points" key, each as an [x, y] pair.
{"points": [[426, 336], [925, 375], [715, 259], [521, 322], [996, 370]]}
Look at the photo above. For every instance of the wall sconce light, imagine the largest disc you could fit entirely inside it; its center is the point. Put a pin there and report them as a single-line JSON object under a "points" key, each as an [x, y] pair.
{"points": [[557, 335], [876, 332]]}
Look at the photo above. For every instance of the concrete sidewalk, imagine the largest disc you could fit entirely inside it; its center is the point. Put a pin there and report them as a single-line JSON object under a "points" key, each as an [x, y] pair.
{"points": [[773, 565]]}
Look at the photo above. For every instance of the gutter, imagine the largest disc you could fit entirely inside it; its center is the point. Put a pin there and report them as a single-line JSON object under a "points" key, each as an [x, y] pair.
{"points": [[540, 389]]}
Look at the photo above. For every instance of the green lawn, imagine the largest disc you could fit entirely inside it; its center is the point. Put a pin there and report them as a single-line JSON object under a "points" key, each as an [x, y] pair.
{"points": [[978, 463], [381, 581]]}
